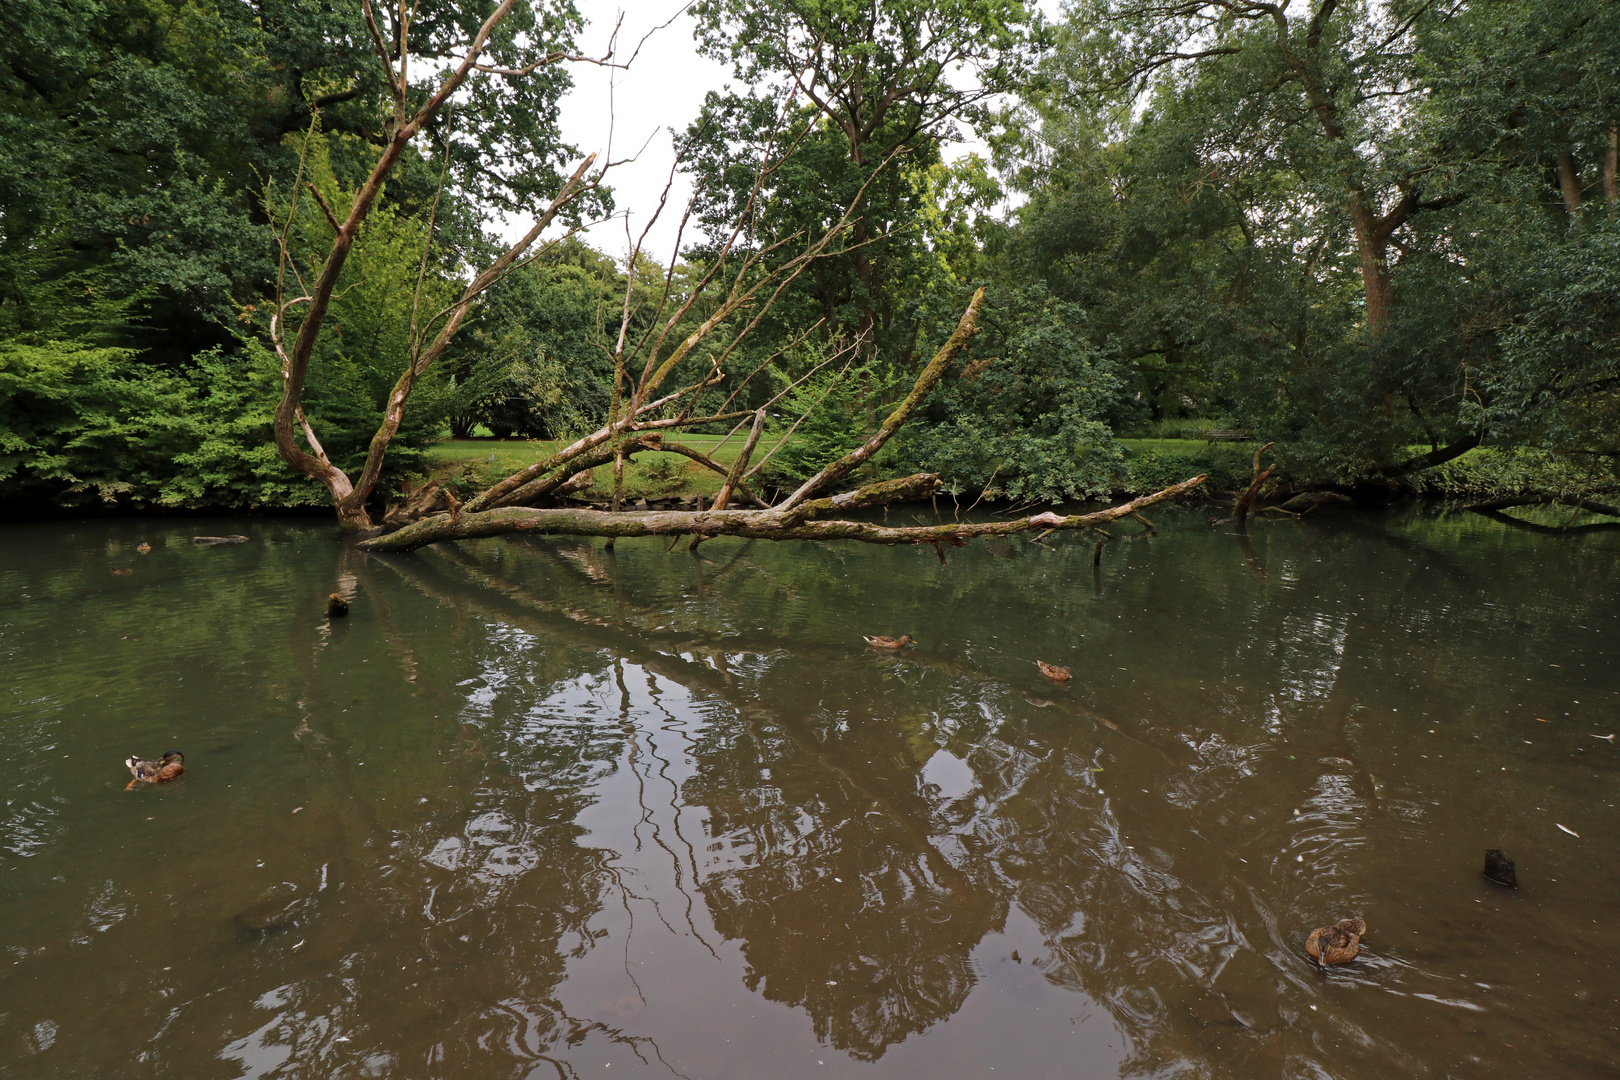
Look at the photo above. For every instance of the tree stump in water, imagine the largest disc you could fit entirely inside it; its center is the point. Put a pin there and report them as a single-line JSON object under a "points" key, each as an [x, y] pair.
{"points": [[1499, 868], [336, 606]]}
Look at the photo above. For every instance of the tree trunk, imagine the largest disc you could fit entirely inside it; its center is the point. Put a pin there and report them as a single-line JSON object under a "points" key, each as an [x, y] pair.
{"points": [[354, 518], [1569, 182], [1438, 456], [1372, 244], [866, 274], [1610, 162], [1240, 512]]}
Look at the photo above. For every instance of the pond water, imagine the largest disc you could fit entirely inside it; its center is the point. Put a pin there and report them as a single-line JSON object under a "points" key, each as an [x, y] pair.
{"points": [[537, 809]]}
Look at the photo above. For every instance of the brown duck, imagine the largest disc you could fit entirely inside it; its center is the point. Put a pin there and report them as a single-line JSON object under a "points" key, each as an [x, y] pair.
{"points": [[1055, 672], [160, 771], [1336, 944], [882, 642]]}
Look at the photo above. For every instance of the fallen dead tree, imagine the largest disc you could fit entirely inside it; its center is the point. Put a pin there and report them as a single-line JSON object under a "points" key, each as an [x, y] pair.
{"points": [[669, 355], [802, 515], [774, 523]]}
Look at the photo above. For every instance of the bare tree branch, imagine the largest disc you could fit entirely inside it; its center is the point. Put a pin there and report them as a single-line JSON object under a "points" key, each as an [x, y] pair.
{"points": [[965, 329]]}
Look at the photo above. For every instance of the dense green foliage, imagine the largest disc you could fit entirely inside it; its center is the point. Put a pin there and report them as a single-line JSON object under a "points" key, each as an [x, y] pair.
{"points": [[1380, 234], [144, 147], [1373, 227]]}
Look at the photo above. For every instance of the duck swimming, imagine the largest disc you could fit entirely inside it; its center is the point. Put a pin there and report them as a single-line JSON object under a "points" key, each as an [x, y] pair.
{"points": [[1336, 944], [882, 642], [1055, 672], [161, 771]]}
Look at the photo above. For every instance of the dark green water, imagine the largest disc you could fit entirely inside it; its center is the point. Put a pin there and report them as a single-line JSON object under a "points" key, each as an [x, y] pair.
{"points": [[537, 810]]}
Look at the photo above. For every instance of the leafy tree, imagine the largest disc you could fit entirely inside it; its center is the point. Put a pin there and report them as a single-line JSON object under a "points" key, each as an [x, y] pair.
{"points": [[1524, 94], [882, 91], [1031, 415], [540, 343], [134, 135], [1324, 223]]}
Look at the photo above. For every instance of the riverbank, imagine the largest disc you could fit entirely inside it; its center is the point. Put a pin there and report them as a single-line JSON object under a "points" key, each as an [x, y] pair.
{"points": [[470, 465]]}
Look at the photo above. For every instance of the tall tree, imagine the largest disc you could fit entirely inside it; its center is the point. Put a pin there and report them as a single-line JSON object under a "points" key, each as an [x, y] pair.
{"points": [[1526, 95], [882, 81], [1333, 66]]}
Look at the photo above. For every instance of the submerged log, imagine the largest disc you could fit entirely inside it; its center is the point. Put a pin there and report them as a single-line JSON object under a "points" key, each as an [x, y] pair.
{"points": [[201, 540], [272, 916]]}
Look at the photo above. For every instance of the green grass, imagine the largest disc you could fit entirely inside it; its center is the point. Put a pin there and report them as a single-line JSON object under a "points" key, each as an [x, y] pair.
{"points": [[467, 464], [1158, 463], [649, 475]]}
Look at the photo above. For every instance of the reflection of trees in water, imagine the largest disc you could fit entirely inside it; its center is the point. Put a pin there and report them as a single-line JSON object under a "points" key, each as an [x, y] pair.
{"points": [[859, 894], [1120, 924], [849, 900], [439, 942], [475, 906]]}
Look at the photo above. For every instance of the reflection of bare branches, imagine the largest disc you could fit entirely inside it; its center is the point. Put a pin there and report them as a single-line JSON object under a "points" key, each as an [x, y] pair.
{"points": [[1247, 547], [632, 752], [674, 805], [572, 1030], [579, 1028], [398, 644], [506, 603]]}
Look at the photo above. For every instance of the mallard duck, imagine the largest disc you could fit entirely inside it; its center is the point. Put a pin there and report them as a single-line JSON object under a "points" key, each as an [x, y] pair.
{"points": [[882, 642], [1336, 944], [1054, 672], [161, 771]]}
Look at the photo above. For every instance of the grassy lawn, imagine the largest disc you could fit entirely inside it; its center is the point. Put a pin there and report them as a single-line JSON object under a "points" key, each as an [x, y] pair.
{"points": [[650, 475], [1176, 447]]}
